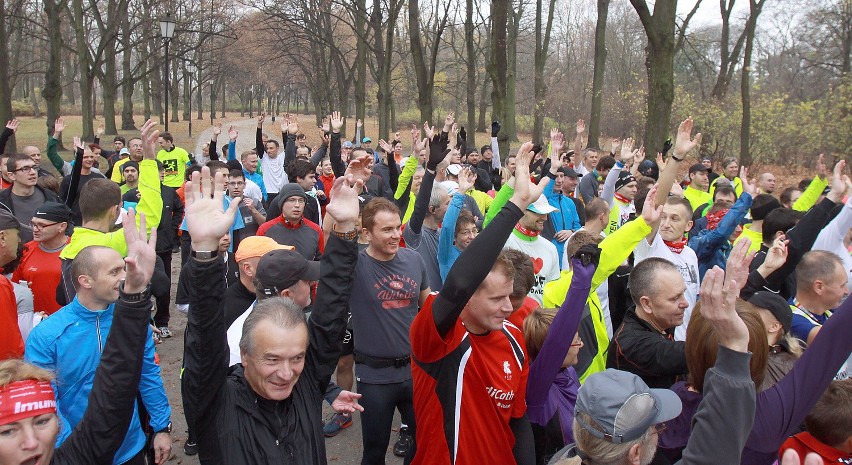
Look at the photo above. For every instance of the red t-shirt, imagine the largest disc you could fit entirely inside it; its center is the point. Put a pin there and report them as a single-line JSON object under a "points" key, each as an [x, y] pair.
{"points": [[43, 271], [466, 389], [518, 316], [11, 342]]}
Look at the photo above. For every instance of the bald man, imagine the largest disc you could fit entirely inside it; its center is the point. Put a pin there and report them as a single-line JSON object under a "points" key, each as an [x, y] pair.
{"points": [[766, 183]]}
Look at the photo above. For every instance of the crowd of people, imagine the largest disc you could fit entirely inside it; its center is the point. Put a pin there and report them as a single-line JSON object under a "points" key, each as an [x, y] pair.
{"points": [[556, 305]]}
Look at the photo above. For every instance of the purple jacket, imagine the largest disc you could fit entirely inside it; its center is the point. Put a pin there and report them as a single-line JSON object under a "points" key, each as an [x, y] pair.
{"points": [[552, 389]]}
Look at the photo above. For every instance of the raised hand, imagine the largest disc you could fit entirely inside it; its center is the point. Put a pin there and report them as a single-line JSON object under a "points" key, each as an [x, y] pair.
{"points": [[384, 145], [293, 126], [776, 256], [285, 121], [718, 298], [627, 153], [651, 212], [141, 253], [580, 127], [336, 122], [639, 155], [456, 129], [684, 142], [615, 145], [100, 131], [359, 124], [206, 219], [557, 142], [149, 144], [820, 166], [415, 139], [449, 120], [429, 130], [661, 164], [217, 129], [347, 402], [749, 185], [495, 128], [526, 192], [12, 124], [260, 119], [359, 168], [344, 205], [78, 143], [737, 266], [325, 125], [58, 126], [233, 133], [838, 187], [467, 178]]}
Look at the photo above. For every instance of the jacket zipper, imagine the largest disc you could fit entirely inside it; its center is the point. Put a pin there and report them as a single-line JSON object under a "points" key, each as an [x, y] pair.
{"points": [[98, 328]]}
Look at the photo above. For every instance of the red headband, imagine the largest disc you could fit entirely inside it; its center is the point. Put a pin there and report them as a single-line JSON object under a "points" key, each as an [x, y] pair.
{"points": [[25, 399]]}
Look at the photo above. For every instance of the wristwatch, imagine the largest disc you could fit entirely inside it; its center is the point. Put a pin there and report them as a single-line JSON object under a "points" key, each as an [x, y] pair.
{"points": [[204, 254], [167, 429], [143, 296]]}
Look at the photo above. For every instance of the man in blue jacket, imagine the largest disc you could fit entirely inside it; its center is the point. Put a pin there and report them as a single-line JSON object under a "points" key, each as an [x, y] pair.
{"points": [[71, 341], [565, 220]]}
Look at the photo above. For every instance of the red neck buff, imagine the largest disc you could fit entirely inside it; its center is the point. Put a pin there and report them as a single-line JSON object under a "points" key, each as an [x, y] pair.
{"points": [[714, 218], [25, 399], [621, 198], [525, 231], [676, 246]]}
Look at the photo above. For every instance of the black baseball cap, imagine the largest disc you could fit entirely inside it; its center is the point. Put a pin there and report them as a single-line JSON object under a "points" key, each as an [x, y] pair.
{"points": [[698, 167], [280, 269], [568, 172], [776, 305]]}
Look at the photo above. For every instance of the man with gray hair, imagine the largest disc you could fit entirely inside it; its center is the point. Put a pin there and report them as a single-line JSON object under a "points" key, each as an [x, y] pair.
{"points": [[269, 407], [618, 418]]}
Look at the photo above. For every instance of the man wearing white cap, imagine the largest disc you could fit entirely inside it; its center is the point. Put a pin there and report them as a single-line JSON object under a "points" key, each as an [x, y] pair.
{"points": [[526, 238]]}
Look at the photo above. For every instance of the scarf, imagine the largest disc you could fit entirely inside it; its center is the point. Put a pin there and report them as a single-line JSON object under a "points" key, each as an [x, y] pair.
{"points": [[525, 231], [621, 198], [714, 218], [676, 246]]}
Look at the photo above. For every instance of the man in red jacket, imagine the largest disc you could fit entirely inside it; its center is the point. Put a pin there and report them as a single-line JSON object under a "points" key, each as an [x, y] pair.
{"points": [[11, 343]]}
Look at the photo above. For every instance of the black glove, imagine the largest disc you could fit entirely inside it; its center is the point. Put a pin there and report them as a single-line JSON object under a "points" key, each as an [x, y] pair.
{"points": [[495, 128], [437, 153], [589, 253], [463, 134]]}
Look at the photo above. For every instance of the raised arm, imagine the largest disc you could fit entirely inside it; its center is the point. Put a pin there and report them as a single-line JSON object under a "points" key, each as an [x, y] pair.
{"points": [[9, 131], [213, 150], [258, 136], [560, 335], [811, 194], [496, 162], [684, 143], [233, 134], [53, 147], [290, 144]]}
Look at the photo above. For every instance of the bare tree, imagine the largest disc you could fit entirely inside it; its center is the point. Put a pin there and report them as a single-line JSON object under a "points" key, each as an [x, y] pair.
{"points": [[755, 6]]}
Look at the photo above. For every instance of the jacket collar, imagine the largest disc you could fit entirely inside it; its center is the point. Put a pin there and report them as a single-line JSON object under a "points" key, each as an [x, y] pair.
{"points": [[79, 310]]}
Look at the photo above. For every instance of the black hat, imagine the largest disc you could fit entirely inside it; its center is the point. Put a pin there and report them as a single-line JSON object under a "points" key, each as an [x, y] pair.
{"points": [[624, 178], [698, 167], [568, 172], [281, 269], [8, 220], [129, 164], [54, 211], [776, 305], [290, 190]]}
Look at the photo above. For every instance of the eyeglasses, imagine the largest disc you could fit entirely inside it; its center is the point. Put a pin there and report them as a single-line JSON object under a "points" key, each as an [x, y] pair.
{"points": [[296, 200], [39, 227], [25, 169]]}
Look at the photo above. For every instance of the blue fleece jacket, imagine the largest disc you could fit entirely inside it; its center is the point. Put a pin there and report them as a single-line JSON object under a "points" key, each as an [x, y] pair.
{"points": [[565, 218], [70, 344]]}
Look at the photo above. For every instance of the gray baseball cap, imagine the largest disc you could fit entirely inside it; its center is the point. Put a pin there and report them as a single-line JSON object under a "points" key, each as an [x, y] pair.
{"points": [[623, 405]]}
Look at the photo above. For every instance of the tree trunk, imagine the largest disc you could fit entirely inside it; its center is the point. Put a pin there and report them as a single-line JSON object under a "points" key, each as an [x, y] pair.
{"points": [[187, 95], [483, 105], [499, 65], [52, 90], [222, 99], [109, 88], [745, 86], [510, 127], [424, 71], [174, 95], [360, 59], [87, 77], [542, 40], [34, 98], [5, 95], [598, 77], [470, 91], [659, 64], [199, 97], [127, 122], [727, 58]]}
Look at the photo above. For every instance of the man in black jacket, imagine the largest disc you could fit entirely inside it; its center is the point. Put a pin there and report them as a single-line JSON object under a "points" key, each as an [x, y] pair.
{"points": [[644, 343], [268, 409], [25, 196]]}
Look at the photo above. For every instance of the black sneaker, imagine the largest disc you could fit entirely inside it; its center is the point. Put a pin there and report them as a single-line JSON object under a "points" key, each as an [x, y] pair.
{"points": [[190, 448], [403, 443]]}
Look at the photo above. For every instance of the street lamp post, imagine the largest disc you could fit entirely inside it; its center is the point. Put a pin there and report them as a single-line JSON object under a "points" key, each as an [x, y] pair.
{"points": [[212, 108], [190, 70], [167, 31]]}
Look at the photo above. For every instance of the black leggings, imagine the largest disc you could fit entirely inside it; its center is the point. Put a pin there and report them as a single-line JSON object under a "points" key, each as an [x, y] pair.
{"points": [[379, 402]]}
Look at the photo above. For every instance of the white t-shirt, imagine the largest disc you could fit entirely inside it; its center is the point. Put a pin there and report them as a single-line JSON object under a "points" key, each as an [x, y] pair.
{"points": [[252, 191], [235, 333], [686, 263], [831, 237], [545, 261], [274, 176]]}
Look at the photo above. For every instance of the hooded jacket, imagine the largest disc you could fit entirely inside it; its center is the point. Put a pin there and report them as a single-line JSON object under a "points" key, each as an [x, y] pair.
{"points": [[71, 343]]}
